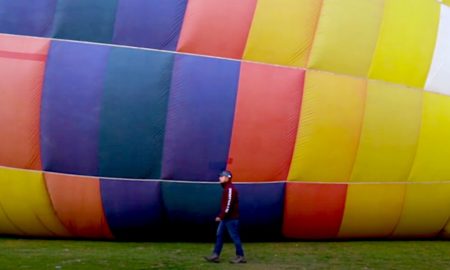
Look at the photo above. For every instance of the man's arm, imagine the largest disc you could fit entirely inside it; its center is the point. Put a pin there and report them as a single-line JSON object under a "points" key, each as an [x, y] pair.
{"points": [[226, 203]]}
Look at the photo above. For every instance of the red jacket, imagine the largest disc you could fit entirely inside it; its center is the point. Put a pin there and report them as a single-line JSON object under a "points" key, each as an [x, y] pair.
{"points": [[230, 202]]}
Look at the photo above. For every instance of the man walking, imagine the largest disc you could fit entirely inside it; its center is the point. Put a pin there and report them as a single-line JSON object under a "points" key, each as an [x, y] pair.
{"points": [[228, 219]]}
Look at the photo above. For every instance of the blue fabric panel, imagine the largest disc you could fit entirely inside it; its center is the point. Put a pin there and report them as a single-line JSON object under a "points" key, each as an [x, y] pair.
{"points": [[149, 23], [133, 209], [70, 107], [25, 17], [200, 117], [261, 210], [191, 207], [133, 114], [87, 20]]}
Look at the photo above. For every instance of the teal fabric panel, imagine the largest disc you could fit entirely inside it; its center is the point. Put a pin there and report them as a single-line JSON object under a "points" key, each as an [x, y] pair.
{"points": [[87, 20], [191, 209], [133, 113]]}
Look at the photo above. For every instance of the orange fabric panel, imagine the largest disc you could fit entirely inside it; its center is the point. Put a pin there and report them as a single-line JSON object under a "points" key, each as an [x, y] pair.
{"points": [[313, 211], [265, 122], [216, 27], [22, 66], [78, 204]]}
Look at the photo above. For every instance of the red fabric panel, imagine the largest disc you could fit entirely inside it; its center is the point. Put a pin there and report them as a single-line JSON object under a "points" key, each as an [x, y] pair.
{"points": [[22, 65], [216, 27], [313, 211], [265, 123], [78, 204]]}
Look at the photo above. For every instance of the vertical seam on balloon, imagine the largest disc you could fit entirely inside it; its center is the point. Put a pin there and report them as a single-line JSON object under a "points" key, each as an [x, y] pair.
{"points": [[178, 47], [248, 30], [236, 107], [175, 66], [105, 218], [438, 24], [53, 27], [166, 113], [175, 31], [419, 135], [44, 81], [233, 118], [113, 28], [378, 41], [44, 72], [284, 216], [105, 229], [52, 207], [394, 228], [341, 217], [430, 77], [316, 27], [2, 209], [48, 31], [412, 164], [297, 129], [113, 34], [361, 126], [445, 225]]}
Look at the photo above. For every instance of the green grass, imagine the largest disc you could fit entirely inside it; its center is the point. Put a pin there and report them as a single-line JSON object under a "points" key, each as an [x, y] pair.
{"points": [[69, 254]]}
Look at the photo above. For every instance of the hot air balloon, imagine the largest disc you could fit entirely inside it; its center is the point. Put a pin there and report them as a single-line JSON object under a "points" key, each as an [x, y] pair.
{"points": [[117, 116]]}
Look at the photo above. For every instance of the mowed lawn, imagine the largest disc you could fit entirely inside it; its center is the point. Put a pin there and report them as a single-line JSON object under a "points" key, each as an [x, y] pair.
{"points": [[70, 254]]}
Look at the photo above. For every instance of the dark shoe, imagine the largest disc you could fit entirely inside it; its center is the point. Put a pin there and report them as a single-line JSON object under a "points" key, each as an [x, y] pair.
{"points": [[213, 258], [238, 259]]}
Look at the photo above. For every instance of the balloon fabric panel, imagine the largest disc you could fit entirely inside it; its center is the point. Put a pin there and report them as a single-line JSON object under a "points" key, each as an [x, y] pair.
{"points": [[24, 17], [22, 67], [216, 27], [78, 204], [70, 110], [265, 122], [200, 118], [91, 20], [133, 113], [149, 23]]}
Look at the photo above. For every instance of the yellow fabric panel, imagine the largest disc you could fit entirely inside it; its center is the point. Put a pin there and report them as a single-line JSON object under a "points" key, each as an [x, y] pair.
{"points": [[406, 42], [282, 31], [390, 132], [426, 210], [25, 201], [6, 227], [372, 210], [329, 128], [433, 151], [343, 43]]}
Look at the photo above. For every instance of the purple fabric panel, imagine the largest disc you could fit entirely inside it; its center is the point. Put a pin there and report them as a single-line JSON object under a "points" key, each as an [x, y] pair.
{"points": [[25, 17], [149, 23], [133, 208], [200, 117], [71, 102], [261, 209]]}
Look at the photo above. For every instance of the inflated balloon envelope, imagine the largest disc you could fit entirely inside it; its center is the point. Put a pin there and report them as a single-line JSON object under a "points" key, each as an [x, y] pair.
{"points": [[117, 117]]}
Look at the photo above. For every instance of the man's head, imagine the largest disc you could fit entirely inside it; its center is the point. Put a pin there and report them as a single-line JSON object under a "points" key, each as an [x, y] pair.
{"points": [[225, 176]]}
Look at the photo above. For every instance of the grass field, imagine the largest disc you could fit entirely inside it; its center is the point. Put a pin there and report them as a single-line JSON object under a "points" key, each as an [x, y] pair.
{"points": [[69, 254]]}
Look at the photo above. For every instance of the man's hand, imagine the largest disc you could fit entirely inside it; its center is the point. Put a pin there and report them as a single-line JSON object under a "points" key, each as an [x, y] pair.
{"points": [[218, 219]]}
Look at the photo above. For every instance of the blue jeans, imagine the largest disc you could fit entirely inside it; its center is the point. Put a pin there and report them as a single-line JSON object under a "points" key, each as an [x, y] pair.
{"points": [[232, 225]]}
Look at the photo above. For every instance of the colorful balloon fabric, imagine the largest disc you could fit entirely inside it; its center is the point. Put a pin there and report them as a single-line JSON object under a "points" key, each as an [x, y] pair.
{"points": [[116, 117]]}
